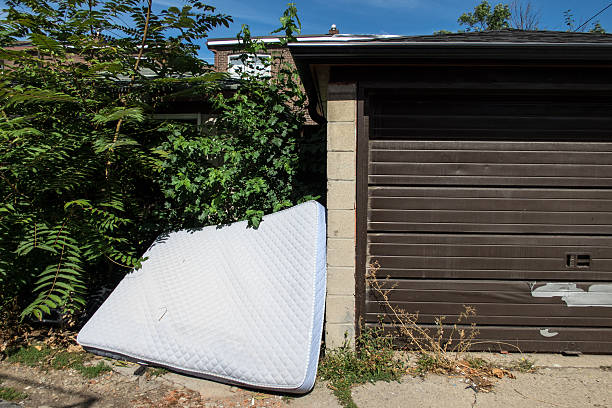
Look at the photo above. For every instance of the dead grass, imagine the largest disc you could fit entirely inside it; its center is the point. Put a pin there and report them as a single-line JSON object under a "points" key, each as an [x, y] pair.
{"points": [[443, 349]]}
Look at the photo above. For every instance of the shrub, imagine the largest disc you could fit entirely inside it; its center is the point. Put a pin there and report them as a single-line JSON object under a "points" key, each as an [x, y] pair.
{"points": [[89, 179]]}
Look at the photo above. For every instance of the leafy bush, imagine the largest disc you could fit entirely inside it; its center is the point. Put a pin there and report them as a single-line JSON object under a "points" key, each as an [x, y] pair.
{"points": [[78, 153], [254, 150], [88, 178]]}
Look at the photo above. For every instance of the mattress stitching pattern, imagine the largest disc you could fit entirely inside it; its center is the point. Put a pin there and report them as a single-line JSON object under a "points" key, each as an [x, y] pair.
{"points": [[220, 371]]}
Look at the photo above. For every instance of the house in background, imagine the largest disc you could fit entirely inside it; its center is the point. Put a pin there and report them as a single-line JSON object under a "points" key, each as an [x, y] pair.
{"points": [[228, 57], [227, 51], [474, 169]]}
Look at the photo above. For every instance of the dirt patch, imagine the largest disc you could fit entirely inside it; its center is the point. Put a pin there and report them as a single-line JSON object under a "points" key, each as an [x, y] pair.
{"points": [[68, 388]]}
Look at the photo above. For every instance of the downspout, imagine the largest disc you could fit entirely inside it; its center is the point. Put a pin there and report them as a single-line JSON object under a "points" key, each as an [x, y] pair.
{"points": [[311, 92]]}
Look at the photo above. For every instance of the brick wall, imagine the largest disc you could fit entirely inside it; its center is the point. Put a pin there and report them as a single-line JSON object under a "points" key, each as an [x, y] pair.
{"points": [[222, 54]]}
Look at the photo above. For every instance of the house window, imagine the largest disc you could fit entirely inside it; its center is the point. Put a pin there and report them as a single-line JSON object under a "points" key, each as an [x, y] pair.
{"points": [[254, 65], [199, 118]]}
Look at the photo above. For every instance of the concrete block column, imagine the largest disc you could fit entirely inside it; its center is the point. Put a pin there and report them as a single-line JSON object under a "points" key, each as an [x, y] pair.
{"points": [[341, 185]]}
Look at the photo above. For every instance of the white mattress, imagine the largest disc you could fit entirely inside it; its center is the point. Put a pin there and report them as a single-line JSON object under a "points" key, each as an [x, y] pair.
{"points": [[233, 304]]}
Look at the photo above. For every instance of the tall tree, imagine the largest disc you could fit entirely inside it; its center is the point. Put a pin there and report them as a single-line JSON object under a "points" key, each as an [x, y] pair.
{"points": [[524, 16], [88, 176], [78, 149], [485, 18]]}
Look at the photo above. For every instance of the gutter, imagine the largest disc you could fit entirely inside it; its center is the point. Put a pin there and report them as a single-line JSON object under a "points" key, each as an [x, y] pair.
{"points": [[375, 42], [319, 39]]}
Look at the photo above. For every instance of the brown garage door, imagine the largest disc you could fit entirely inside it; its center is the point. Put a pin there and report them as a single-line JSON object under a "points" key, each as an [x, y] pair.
{"points": [[501, 201]]}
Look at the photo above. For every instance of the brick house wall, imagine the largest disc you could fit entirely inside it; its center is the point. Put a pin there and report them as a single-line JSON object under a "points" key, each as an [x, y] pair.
{"points": [[222, 54]]}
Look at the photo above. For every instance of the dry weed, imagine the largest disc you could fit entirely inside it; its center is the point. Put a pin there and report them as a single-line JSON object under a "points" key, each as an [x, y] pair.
{"points": [[443, 349]]}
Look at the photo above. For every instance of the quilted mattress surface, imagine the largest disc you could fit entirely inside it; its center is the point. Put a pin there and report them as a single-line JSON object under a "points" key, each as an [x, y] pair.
{"points": [[234, 304]]}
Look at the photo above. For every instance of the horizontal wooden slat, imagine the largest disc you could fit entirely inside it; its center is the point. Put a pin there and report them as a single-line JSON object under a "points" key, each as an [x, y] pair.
{"points": [[525, 339], [516, 216], [490, 228], [477, 201], [470, 285], [474, 297], [535, 105], [476, 121], [494, 251], [498, 272], [532, 333], [488, 156], [495, 309], [492, 216], [492, 169], [506, 193], [475, 239], [543, 204], [507, 320], [497, 134], [488, 263], [485, 180], [488, 146]]}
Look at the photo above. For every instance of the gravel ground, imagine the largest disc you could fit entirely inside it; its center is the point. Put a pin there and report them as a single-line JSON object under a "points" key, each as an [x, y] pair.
{"points": [[559, 382], [120, 388], [565, 387]]}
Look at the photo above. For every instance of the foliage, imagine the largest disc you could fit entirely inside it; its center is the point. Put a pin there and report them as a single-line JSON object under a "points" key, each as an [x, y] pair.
{"points": [[78, 153], [93, 371], [66, 359], [574, 26], [524, 365], [89, 178], [11, 394], [441, 349], [485, 18], [518, 14], [372, 360], [32, 355], [426, 363], [156, 371], [442, 32], [45, 357], [253, 150], [597, 28], [570, 21], [443, 343]]}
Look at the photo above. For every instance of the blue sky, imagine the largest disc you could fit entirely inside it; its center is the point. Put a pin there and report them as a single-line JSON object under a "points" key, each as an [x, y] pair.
{"points": [[379, 16], [386, 16]]}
